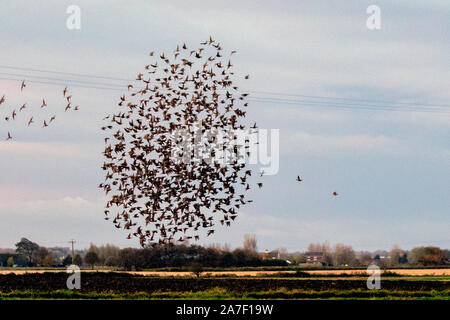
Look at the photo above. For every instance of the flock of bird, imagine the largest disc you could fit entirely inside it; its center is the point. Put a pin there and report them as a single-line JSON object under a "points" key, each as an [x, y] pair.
{"points": [[163, 196], [177, 195], [14, 113], [157, 187]]}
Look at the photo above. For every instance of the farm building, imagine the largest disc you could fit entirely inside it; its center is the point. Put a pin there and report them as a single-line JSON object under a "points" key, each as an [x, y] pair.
{"points": [[314, 257]]}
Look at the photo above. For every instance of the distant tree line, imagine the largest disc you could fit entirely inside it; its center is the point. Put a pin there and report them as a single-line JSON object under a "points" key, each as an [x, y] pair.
{"points": [[12, 259], [172, 255], [29, 253], [344, 255]]}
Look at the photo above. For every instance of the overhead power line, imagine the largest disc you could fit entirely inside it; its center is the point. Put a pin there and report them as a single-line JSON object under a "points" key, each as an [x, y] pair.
{"points": [[64, 84], [325, 104], [63, 80], [301, 100], [64, 73], [350, 99]]}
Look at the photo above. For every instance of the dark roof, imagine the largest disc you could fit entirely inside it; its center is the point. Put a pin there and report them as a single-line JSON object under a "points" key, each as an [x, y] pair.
{"points": [[314, 253]]}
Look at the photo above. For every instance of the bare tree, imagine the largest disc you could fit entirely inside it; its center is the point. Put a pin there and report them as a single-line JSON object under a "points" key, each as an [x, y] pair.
{"points": [[250, 243], [395, 255], [220, 247], [104, 252], [197, 269], [343, 255], [315, 247], [326, 250], [39, 255]]}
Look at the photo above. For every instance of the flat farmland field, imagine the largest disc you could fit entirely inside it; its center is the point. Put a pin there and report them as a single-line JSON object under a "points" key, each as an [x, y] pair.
{"points": [[146, 285], [404, 272]]}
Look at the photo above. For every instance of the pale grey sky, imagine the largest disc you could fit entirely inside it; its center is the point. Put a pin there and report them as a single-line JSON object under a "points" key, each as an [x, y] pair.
{"points": [[392, 169]]}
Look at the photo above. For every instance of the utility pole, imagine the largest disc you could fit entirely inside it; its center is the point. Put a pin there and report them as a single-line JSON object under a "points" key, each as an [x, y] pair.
{"points": [[73, 252]]}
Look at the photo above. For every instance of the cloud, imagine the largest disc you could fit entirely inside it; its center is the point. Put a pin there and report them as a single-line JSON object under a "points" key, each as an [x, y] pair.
{"points": [[54, 221], [440, 155], [292, 115], [66, 206], [416, 118], [36, 149]]}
